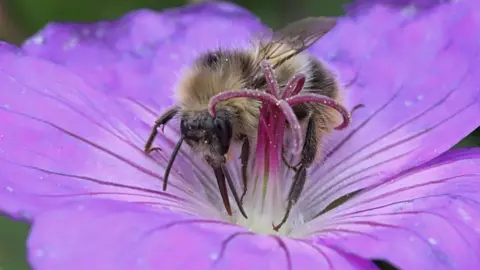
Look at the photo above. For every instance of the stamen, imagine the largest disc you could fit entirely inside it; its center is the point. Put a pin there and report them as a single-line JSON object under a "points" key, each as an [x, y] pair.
{"points": [[245, 93], [276, 109], [294, 86], [265, 98], [270, 79], [294, 125], [311, 97]]}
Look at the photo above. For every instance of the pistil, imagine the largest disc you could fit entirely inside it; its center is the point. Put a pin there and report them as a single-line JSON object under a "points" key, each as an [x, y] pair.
{"points": [[267, 192]]}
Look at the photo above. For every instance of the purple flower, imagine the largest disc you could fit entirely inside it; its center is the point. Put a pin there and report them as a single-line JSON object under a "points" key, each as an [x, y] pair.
{"points": [[78, 102]]}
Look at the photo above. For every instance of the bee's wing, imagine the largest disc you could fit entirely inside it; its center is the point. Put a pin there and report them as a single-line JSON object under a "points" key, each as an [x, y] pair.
{"points": [[298, 36]]}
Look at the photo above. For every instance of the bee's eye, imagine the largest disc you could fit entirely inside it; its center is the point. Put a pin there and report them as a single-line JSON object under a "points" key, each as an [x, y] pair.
{"points": [[219, 125], [223, 130]]}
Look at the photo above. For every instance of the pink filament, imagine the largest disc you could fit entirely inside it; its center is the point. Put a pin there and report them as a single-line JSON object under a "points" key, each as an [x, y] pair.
{"points": [[294, 125], [274, 103], [270, 79], [245, 93], [311, 97], [294, 86], [265, 98]]}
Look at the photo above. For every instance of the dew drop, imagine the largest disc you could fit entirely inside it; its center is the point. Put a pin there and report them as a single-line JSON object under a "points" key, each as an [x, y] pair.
{"points": [[464, 214], [332, 55], [432, 241], [100, 33], [409, 11], [9, 188], [85, 31], [227, 7], [71, 43], [420, 97], [214, 256], [25, 214], [38, 39], [141, 261], [407, 103], [39, 252]]}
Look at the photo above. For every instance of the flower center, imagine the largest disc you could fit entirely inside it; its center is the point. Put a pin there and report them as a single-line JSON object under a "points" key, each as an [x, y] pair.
{"points": [[269, 196]]}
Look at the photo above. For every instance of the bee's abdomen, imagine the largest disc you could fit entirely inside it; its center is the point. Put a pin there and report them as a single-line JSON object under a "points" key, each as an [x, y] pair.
{"points": [[321, 80]]}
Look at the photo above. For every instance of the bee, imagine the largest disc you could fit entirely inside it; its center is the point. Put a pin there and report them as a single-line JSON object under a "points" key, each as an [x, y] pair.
{"points": [[236, 120]]}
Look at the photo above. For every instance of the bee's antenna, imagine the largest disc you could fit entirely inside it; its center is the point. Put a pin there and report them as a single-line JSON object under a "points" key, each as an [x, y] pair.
{"points": [[170, 162]]}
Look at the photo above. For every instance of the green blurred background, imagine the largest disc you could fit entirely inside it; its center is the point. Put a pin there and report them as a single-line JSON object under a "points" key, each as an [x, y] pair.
{"points": [[21, 18]]}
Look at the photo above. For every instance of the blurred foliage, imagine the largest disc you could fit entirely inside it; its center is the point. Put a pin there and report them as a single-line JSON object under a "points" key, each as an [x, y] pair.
{"points": [[13, 236], [21, 18]]}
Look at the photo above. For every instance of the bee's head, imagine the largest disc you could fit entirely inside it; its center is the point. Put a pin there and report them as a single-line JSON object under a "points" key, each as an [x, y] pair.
{"points": [[207, 134]]}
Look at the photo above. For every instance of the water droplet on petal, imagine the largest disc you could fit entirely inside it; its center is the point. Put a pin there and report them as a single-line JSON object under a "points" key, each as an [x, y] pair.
{"points": [[9, 188], [38, 39], [419, 97], [141, 261], [39, 252], [408, 103], [331, 55], [214, 256], [71, 43], [100, 32], [409, 11], [464, 214], [432, 241], [85, 31]]}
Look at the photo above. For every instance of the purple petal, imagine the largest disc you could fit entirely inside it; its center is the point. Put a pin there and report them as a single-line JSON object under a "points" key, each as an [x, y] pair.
{"points": [[105, 235], [419, 87], [142, 53], [426, 218], [359, 6], [66, 140]]}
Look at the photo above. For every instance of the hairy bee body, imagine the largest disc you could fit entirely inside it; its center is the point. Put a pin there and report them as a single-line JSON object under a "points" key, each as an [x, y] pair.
{"points": [[222, 70], [236, 120]]}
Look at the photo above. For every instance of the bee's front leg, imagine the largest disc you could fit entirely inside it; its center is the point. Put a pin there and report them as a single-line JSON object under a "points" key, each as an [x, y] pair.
{"points": [[162, 120]]}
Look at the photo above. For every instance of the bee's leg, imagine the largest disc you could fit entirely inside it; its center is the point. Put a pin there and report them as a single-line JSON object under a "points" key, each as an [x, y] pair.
{"points": [[234, 191], [284, 159], [162, 120], [244, 156], [309, 152]]}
